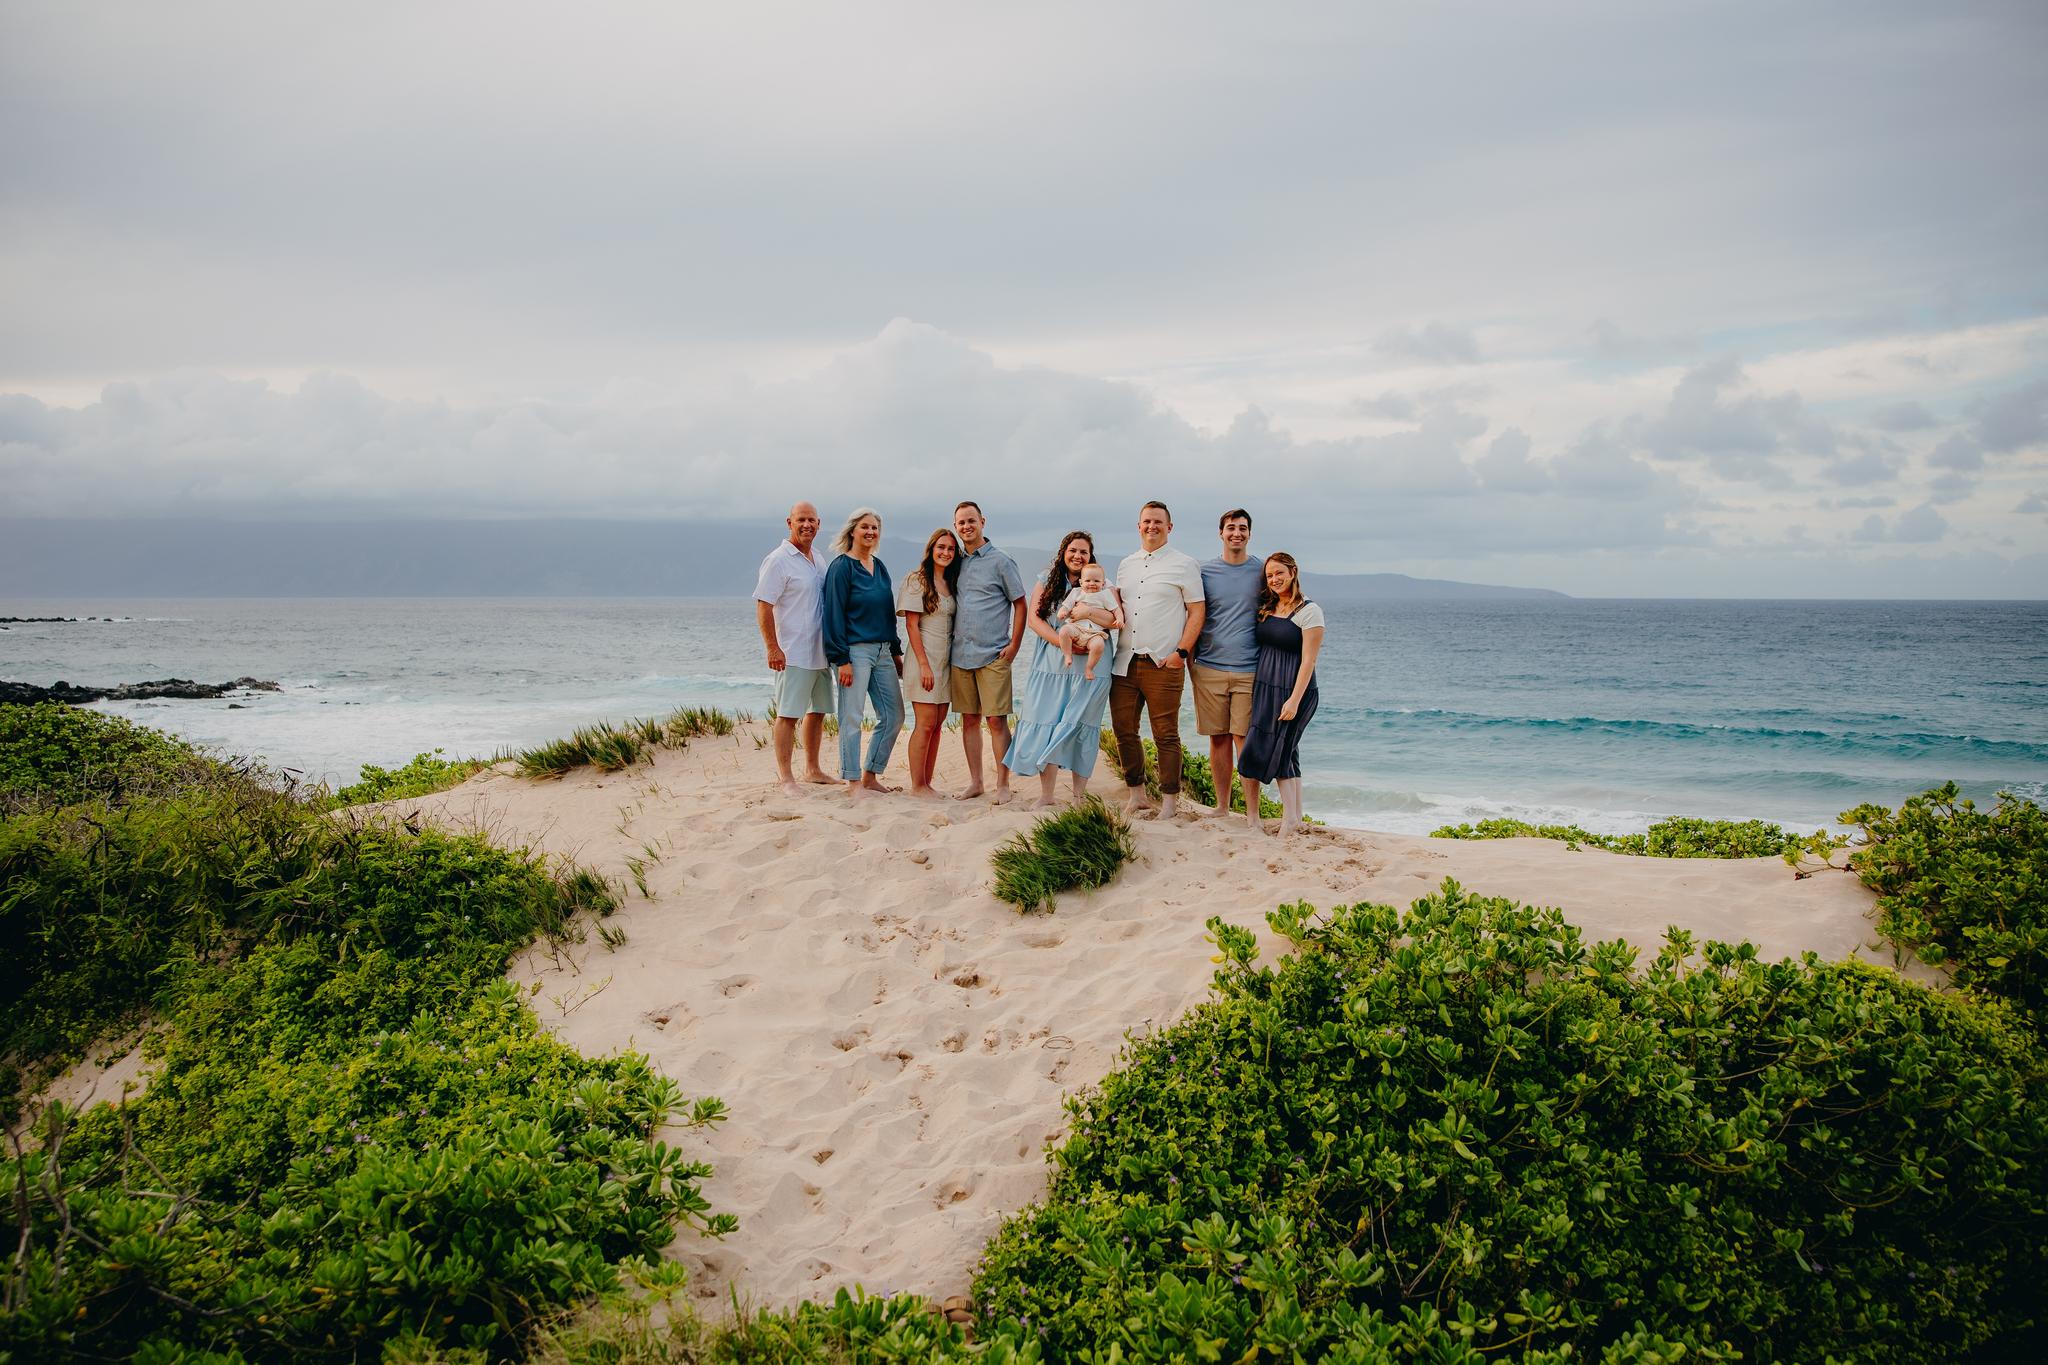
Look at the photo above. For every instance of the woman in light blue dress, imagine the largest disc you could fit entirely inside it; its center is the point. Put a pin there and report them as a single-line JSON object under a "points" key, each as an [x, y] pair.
{"points": [[1060, 718]]}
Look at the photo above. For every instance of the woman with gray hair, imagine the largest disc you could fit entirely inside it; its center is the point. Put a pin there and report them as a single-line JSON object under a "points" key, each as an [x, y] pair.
{"points": [[862, 645]]}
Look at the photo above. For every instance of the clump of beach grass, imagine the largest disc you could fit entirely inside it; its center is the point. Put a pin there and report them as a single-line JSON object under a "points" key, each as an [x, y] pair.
{"points": [[1079, 848], [609, 748], [692, 722]]}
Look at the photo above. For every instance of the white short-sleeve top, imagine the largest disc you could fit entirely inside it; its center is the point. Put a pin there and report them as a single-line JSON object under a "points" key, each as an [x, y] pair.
{"points": [[1156, 586], [1307, 616], [793, 583]]}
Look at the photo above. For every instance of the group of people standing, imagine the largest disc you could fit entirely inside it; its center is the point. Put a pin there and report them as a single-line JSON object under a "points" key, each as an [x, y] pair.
{"points": [[1236, 626]]}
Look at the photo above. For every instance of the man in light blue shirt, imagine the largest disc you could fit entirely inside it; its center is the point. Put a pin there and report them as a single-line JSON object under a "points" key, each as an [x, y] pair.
{"points": [[1227, 655], [988, 626]]}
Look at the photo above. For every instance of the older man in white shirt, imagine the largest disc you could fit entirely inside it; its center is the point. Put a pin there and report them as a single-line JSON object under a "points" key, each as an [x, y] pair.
{"points": [[1163, 609], [789, 606]]}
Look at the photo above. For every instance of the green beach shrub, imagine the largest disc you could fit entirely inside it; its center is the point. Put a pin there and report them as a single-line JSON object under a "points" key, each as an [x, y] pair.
{"points": [[57, 755], [103, 911], [1964, 888], [469, 1240], [853, 1327], [355, 1135], [1678, 836], [1078, 848], [422, 775], [1462, 1133]]}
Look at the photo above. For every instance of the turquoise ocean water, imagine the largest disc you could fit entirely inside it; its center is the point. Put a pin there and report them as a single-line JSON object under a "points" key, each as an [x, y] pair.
{"points": [[1608, 713]]}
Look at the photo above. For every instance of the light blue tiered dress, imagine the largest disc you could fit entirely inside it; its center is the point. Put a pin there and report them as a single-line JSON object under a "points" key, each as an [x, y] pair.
{"points": [[1060, 718]]}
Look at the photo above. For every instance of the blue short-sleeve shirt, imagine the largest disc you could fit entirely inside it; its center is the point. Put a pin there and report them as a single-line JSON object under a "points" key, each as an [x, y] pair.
{"points": [[982, 610], [1229, 640]]}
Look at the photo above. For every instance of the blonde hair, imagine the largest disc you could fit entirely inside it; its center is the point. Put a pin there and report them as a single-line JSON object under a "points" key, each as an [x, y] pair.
{"points": [[842, 544]]}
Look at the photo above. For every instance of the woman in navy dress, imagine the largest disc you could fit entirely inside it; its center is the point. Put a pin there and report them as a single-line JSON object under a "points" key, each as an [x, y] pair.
{"points": [[1290, 634]]}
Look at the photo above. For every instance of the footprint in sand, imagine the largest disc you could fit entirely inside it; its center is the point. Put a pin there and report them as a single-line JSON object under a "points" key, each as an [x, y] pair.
{"points": [[670, 1017], [1045, 940], [733, 985], [967, 980], [767, 851], [851, 1039], [952, 1189], [954, 1041]]}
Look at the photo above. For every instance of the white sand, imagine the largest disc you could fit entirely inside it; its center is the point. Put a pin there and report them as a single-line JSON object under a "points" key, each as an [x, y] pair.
{"points": [[894, 1043]]}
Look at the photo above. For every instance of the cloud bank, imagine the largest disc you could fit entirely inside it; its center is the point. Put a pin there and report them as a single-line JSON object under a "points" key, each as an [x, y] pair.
{"points": [[914, 418]]}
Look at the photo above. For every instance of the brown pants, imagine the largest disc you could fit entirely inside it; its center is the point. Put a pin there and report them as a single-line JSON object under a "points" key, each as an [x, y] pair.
{"points": [[1157, 690]]}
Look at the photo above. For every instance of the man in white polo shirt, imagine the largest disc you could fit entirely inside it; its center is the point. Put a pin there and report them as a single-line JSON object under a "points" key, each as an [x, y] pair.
{"points": [[789, 604], [1163, 608]]}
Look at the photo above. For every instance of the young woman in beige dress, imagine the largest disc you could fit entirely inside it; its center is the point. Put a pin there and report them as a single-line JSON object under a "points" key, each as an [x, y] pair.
{"points": [[926, 606]]}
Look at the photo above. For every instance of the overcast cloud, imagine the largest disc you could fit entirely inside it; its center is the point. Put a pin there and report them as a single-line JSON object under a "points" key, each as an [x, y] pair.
{"points": [[1686, 298]]}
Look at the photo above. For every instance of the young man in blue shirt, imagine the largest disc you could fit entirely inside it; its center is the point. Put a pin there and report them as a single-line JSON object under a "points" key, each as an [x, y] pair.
{"points": [[988, 626], [1227, 655]]}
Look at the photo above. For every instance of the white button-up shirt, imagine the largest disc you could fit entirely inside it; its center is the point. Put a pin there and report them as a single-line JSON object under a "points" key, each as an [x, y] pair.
{"points": [[1157, 586], [793, 583]]}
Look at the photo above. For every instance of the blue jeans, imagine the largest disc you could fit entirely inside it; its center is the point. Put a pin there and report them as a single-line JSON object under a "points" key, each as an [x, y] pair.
{"points": [[874, 680]]}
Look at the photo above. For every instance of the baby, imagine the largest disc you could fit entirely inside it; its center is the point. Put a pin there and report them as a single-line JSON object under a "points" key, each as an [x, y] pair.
{"points": [[1085, 633]]}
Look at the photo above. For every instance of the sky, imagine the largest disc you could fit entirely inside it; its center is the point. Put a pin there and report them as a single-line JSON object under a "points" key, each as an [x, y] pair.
{"points": [[1720, 299]]}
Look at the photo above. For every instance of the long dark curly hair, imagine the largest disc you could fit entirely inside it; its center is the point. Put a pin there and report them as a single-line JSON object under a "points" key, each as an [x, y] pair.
{"points": [[928, 573], [1058, 582], [1269, 601]]}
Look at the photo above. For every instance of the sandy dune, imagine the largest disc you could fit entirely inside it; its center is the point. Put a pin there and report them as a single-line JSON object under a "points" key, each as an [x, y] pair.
{"points": [[894, 1043]]}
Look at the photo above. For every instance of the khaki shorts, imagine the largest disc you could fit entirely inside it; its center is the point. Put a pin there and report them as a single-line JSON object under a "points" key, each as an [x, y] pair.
{"points": [[1223, 701], [983, 691]]}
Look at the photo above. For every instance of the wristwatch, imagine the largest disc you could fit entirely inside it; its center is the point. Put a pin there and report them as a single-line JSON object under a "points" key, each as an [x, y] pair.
{"points": [[1185, 656]]}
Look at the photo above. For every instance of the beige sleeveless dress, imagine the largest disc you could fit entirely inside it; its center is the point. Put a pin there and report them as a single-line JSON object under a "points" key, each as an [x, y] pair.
{"points": [[936, 629]]}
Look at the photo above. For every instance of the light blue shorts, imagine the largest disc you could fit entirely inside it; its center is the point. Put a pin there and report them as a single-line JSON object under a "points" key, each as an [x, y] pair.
{"points": [[803, 692]]}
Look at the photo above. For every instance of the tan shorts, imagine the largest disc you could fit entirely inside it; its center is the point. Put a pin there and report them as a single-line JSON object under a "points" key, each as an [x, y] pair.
{"points": [[983, 691], [1223, 701]]}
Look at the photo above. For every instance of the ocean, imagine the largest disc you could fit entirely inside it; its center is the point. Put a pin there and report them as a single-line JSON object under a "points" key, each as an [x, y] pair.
{"points": [[1605, 713]]}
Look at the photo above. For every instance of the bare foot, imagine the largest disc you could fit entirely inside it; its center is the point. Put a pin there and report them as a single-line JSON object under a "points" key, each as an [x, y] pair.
{"points": [[927, 793], [1138, 799], [816, 777], [967, 794], [875, 784], [789, 787], [1169, 806], [1002, 797]]}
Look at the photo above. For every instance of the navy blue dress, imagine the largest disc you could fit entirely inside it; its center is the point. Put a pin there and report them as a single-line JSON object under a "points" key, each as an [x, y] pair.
{"points": [[1272, 749]]}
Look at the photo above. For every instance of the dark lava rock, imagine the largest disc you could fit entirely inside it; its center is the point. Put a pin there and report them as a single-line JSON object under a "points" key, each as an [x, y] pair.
{"points": [[179, 689]]}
